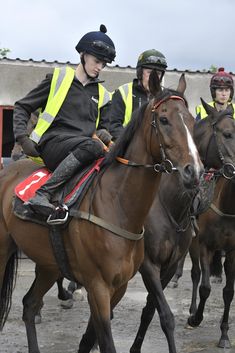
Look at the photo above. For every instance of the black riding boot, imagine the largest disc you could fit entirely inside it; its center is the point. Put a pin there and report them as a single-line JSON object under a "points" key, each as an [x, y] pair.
{"points": [[65, 170]]}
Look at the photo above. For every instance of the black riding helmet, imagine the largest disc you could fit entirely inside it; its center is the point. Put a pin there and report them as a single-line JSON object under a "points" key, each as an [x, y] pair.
{"points": [[151, 59], [220, 80], [98, 44]]}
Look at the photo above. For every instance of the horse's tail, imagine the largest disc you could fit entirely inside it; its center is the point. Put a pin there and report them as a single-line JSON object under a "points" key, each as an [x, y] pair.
{"points": [[216, 266], [8, 285]]}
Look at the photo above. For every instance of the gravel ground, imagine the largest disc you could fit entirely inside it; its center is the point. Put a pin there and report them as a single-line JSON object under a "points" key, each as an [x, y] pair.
{"points": [[61, 330]]}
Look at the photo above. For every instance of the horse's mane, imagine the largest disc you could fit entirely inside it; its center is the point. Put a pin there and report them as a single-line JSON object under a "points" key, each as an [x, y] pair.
{"points": [[120, 146]]}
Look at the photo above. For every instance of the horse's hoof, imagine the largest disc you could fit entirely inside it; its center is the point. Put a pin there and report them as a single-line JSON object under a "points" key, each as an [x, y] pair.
{"points": [[38, 319], [224, 343], [193, 322], [78, 295], [66, 304], [172, 284]]}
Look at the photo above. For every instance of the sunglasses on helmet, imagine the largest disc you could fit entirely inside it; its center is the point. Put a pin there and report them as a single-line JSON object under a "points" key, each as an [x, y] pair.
{"points": [[103, 47], [156, 60], [222, 81]]}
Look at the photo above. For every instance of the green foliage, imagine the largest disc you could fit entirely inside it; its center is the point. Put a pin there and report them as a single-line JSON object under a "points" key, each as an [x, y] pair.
{"points": [[213, 68], [4, 52]]}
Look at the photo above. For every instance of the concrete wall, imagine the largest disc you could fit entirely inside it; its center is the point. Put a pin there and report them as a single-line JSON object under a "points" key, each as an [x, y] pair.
{"points": [[19, 76]]}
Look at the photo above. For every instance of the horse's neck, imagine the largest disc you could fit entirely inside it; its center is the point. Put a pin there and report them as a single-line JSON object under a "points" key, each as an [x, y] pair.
{"points": [[132, 191], [224, 195], [127, 193]]}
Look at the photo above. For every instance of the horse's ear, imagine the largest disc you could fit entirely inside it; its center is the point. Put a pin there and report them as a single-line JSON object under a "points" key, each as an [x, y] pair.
{"points": [[208, 108], [154, 83], [182, 84]]}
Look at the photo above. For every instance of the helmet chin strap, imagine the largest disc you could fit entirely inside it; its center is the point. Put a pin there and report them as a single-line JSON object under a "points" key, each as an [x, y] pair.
{"points": [[84, 68], [217, 102]]}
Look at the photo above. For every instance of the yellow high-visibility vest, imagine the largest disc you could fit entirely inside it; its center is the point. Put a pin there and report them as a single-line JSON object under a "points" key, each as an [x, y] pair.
{"points": [[203, 114], [60, 84], [126, 93]]}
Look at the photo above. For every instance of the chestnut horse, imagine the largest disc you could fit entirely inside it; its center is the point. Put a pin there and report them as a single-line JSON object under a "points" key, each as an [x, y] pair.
{"points": [[102, 260], [168, 231], [217, 226]]}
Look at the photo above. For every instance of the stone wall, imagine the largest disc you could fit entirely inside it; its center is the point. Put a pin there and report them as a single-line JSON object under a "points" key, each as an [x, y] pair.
{"points": [[19, 76]]}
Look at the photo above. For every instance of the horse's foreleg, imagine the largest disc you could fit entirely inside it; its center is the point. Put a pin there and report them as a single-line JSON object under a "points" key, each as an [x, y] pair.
{"points": [[146, 318], [155, 300], [89, 340], [178, 273], [32, 302], [204, 289], [194, 252], [228, 293], [100, 307]]}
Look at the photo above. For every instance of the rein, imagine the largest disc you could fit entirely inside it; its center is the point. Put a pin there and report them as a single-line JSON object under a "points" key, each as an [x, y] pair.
{"points": [[165, 167], [221, 214]]}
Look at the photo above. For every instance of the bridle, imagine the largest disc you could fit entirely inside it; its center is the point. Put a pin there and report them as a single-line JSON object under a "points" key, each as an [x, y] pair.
{"points": [[166, 166], [228, 169]]}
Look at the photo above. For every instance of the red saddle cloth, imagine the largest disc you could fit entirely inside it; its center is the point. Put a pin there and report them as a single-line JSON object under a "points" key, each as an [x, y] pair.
{"points": [[28, 187]]}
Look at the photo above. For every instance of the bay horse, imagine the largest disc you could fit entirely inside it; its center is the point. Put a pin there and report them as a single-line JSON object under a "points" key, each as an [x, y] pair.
{"points": [[168, 231], [217, 224], [103, 260]]}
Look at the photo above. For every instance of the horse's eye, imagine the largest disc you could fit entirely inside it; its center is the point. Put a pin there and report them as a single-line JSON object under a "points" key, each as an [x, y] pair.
{"points": [[227, 134], [163, 120]]}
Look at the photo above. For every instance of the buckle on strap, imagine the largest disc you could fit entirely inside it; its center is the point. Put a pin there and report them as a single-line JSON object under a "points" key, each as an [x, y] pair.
{"points": [[59, 215]]}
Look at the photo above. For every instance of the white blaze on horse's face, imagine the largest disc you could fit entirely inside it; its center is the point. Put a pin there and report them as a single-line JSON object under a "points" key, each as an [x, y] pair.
{"points": [[192, 148]]}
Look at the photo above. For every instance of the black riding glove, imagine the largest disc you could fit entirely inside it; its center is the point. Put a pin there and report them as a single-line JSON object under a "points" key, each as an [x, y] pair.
{"points": [[29, 147], [104, 136]]}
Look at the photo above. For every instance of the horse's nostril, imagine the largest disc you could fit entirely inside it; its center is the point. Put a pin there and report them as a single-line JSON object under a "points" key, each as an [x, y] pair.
{"points": [[189, 170]]}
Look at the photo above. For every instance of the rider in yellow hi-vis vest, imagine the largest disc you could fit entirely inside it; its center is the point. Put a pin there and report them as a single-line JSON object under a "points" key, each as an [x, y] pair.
{"points": [[132, 95], [74, 106], [222, 90]]}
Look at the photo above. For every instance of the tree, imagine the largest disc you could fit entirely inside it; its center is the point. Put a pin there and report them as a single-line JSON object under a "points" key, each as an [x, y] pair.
{"points": [[213, 68], [4, 52]]}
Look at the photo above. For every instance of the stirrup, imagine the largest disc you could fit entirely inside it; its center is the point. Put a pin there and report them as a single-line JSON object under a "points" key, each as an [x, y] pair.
{"points": [[59, 215]]}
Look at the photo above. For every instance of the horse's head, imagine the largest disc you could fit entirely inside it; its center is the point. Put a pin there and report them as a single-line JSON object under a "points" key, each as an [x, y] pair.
{"points": [[171, 128], [215, 139]]}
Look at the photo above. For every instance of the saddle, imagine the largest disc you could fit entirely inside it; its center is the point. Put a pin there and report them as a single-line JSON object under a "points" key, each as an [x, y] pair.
{"points": [[67, 197]]}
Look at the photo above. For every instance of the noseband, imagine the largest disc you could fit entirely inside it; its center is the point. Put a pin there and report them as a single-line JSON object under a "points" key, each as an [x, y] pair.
{"points": [[166, 166]]}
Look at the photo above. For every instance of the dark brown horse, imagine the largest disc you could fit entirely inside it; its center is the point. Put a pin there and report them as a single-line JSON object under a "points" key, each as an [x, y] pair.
{"points": [[121, 196], [168, 232], [217, 224]]}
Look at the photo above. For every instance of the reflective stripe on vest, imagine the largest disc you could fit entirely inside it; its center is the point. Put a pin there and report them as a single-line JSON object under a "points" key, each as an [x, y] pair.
{"points": [[60, 84], [200, 110], [126, 93], [104, 98]]}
